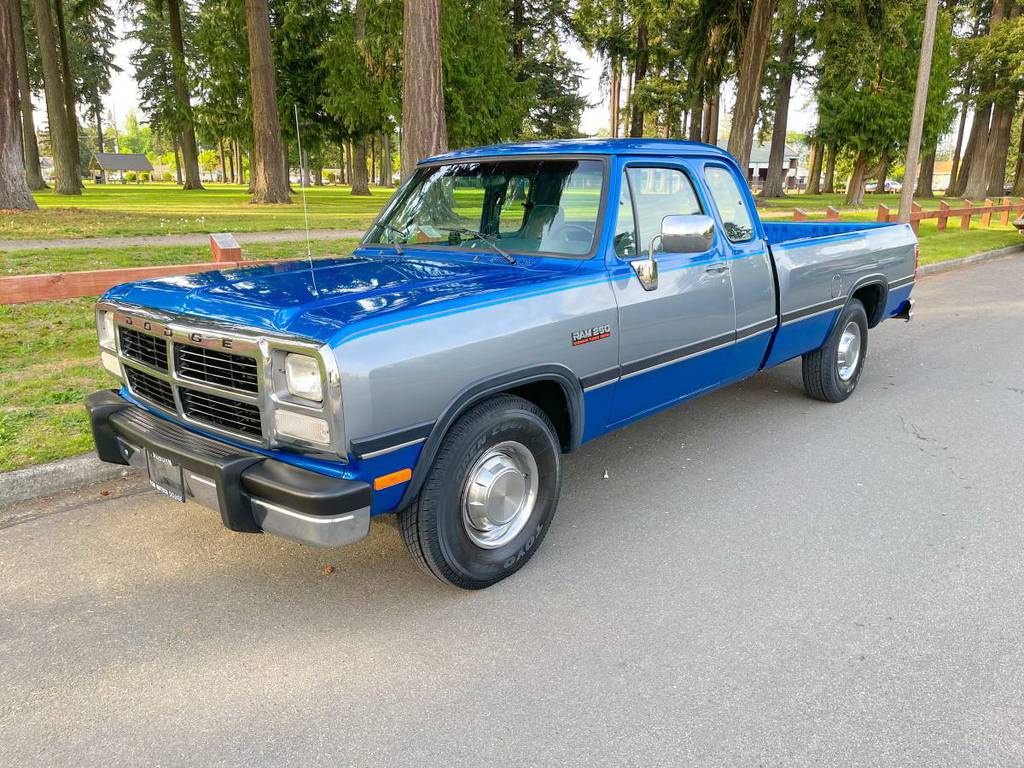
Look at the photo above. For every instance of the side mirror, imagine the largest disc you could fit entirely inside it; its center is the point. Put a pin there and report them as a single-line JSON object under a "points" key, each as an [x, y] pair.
{"points": [[687, 234]]}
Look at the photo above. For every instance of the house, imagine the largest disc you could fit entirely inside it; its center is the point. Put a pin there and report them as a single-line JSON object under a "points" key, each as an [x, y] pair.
{"points": [[121, 163], [757, 169]]}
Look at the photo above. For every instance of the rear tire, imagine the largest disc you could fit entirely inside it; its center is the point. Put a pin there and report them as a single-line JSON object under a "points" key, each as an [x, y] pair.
{"points": [[832, 371], [489, 497]]}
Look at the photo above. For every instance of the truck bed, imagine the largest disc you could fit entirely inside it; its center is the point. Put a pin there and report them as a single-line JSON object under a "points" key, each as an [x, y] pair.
{"points": [[791, 231]]}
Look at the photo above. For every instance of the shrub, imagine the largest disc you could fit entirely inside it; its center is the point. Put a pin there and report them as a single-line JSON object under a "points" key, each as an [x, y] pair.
{"points": [[332, 177], [168, 176], [130, 176]]}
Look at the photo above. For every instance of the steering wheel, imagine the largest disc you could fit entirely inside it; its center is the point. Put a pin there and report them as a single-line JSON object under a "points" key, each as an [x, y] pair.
{"points": [[570, 233]]}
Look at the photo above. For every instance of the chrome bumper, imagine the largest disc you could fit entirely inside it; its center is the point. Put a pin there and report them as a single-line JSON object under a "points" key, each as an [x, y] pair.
{"points": [[251, 492]]}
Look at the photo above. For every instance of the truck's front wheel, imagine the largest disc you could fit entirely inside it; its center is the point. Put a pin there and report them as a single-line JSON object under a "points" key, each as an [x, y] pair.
{"points": [[489, 497], [831, 372]]}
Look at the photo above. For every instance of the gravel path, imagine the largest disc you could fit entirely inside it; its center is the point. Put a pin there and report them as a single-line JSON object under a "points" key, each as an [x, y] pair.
{"points": [[198, 238]]}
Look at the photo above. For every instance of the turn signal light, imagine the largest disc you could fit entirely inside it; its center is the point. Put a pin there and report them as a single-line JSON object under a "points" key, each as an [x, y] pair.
{"points": [[386, 481]]}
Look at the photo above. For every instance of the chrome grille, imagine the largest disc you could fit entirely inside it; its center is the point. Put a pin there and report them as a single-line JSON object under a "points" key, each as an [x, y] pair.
{"points": [[221, 369], [144, 348], [149, 387], [221, 411]]}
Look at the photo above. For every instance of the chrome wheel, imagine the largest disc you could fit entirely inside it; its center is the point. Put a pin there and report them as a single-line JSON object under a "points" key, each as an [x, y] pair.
{"points": [[499, 494], [848, 354]]}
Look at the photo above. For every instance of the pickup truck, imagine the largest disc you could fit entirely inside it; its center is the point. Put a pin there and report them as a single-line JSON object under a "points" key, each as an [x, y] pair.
{"points": [[509, 304]]}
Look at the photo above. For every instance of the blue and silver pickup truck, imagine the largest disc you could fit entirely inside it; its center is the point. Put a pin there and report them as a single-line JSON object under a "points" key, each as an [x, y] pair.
{"points": [[509, 304]]}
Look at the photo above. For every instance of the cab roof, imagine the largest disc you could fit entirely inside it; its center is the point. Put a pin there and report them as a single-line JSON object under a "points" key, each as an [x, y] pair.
{"points": [[663, 147]]}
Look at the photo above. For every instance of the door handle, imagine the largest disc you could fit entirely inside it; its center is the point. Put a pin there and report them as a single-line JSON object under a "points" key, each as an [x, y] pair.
{"points": [[717, 269]]}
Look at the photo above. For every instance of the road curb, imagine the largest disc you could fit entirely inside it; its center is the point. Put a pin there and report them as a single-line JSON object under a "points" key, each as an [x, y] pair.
{"points": [[966, 261], [48, 479]]}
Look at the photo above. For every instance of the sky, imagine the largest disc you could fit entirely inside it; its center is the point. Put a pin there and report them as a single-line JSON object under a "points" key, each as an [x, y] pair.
{"points": [[124, 95]]}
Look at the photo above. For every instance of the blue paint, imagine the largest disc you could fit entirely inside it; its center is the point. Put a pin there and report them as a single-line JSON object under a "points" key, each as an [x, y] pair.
{"points": [[822, 231], [800, 336]]}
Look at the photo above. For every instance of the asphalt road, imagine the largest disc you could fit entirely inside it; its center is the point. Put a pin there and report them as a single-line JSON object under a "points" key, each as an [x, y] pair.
{"points": [[762, 580]]}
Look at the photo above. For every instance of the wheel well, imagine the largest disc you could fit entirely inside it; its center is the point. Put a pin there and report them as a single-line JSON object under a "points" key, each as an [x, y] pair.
{"points": [[550, 397], [871, 296]]}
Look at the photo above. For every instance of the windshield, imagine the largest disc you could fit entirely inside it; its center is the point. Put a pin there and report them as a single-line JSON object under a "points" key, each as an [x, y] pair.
{"points": [[522, 206]]}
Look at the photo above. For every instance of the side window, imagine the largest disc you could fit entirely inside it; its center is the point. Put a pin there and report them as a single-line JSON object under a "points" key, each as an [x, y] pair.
{"points": [[660, 192], [625, 226], [730, 203]]}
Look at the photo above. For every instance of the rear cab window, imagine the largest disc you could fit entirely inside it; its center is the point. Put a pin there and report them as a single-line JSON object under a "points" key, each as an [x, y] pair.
{"points": [[730, 202]]}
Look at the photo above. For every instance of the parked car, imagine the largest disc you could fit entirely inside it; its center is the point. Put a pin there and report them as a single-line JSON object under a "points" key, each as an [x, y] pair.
{"points": [[890, 186], [509, 304]]}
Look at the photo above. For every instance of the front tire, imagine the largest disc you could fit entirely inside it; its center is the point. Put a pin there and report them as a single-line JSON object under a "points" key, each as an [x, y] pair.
{"points": [[490, 495], [832, 371]]}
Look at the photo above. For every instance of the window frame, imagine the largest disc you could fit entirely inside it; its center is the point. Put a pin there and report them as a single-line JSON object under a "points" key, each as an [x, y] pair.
{"points": [[718, 211], [644, 164], [405, 190]]}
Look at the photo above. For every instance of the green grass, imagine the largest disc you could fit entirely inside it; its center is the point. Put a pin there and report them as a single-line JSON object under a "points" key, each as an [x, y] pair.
{"points": [[48, 363], [162, 209], [30, 262]]}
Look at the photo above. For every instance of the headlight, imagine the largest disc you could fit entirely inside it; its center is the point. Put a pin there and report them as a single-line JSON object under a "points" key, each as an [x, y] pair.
{"points": [[302, 375], [105, 329]]}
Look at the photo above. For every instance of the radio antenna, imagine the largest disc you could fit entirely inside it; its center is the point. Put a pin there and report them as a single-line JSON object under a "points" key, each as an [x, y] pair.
{"points": [[305, 208]]}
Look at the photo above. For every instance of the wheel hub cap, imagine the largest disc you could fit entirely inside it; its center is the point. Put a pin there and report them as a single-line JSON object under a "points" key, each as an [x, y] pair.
{"points": [[848, 354], [499, 494]]}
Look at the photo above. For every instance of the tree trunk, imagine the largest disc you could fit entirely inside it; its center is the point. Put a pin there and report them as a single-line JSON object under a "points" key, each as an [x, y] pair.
{"points": [[979, 127], [189, 150], [348, 163], [269, 173], [926, 177], [68, 82], [251, 186], [955, 167], [33, 172], [696, 122], [613, 118], [177, 161], [223, 162], [855, 189], [385, 160], [976, 184], [636, 125], [1018, 175], [773, 184], [998, 149], [360, 181], [99, 135], [714, 114], [64, 161], [14, 191], [830, 171], [814, 174], [424, 130], [748, 88], [883, 173]]}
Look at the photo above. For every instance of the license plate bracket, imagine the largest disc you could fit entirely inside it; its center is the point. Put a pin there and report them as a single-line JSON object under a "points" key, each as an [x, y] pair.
{"points": [[165, 476]]}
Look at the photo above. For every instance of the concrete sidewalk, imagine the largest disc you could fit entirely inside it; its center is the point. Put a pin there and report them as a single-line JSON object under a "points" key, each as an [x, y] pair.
{"points": [[199, 238]]}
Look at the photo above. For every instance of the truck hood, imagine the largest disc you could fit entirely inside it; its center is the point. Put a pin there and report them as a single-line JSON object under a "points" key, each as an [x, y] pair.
{"points": [[336, 295]]}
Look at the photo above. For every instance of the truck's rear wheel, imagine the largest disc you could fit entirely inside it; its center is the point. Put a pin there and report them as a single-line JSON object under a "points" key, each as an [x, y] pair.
{"points": [[831, 372], [489, 497]]}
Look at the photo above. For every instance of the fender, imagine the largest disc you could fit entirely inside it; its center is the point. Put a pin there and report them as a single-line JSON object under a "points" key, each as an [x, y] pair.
{"points": [[480, 391], [874, 279]]}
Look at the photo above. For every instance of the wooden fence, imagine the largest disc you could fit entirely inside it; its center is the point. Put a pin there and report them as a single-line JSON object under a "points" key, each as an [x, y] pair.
{"points": [[943, 213]]}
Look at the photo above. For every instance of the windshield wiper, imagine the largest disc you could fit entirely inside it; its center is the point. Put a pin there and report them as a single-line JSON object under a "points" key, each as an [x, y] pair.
{"points": [[481, 236], [395, 231]]}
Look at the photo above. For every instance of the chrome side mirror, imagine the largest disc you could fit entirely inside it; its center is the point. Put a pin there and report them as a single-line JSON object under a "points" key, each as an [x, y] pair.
{"points": [[687, 234], [647, 269]]}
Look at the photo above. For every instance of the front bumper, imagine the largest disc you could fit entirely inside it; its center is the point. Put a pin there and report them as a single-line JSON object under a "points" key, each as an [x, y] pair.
{"points": [[252, 492]]}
